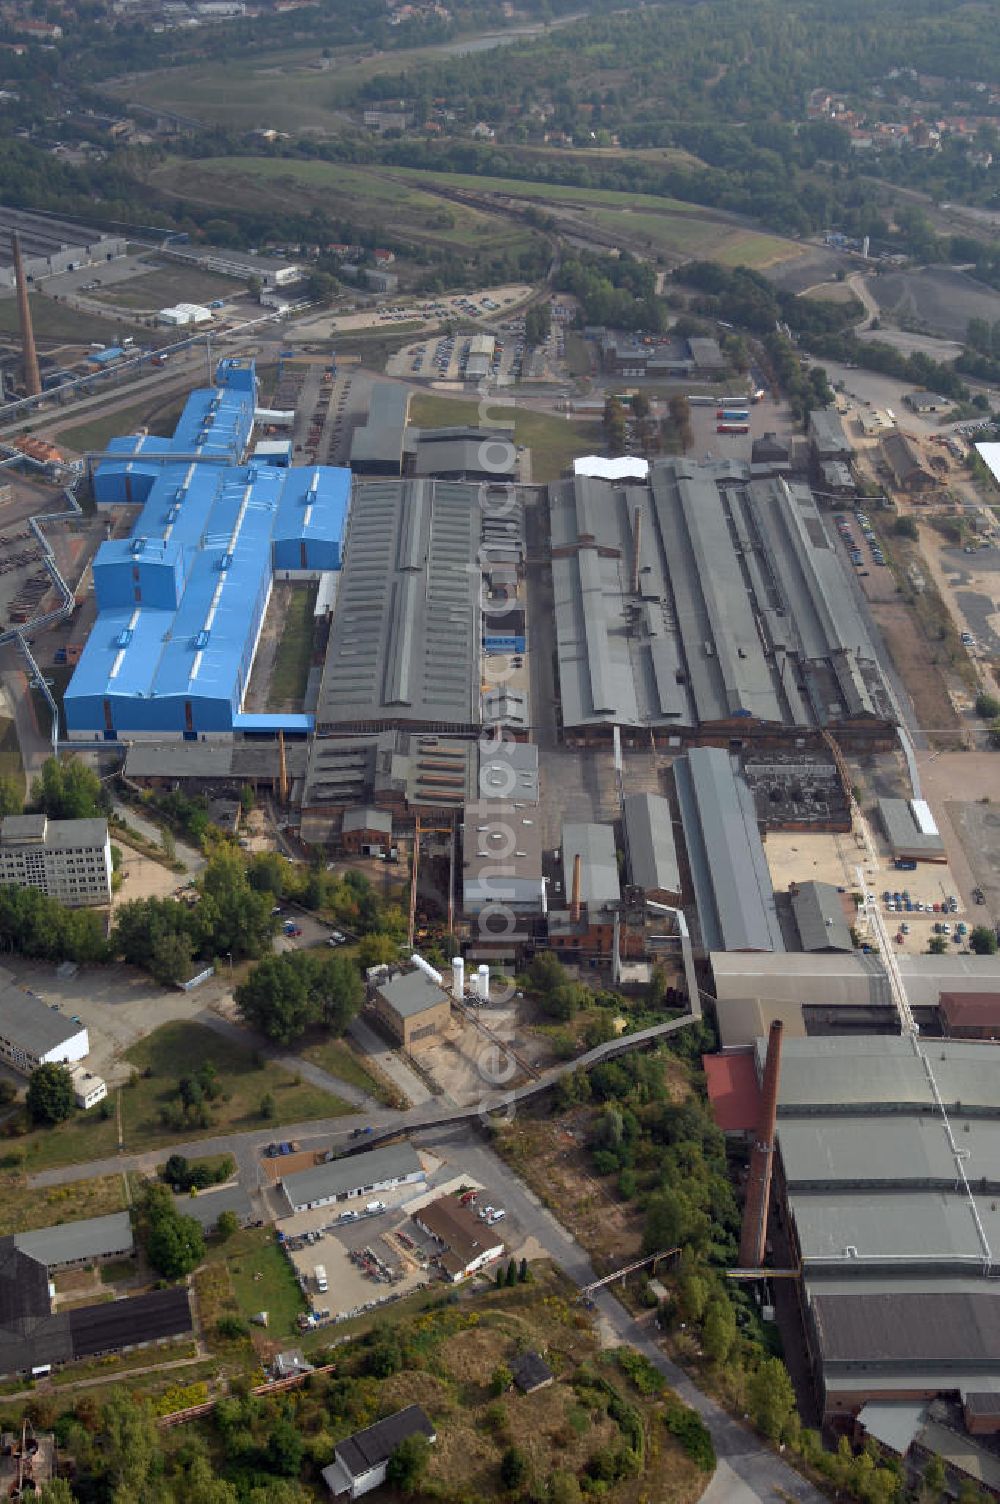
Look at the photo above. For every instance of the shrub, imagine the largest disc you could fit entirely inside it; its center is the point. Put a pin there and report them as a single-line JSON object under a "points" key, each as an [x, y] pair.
{"points": [[692, 1434]]}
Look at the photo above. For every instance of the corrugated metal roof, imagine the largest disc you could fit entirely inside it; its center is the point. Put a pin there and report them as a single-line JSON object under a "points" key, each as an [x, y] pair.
{"points": [[903, 833], [405, 639], [649, 839], [904, 1149], [819, 917], [729, 872]]}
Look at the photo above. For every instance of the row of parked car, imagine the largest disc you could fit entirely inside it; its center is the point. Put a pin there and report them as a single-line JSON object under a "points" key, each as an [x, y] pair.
{"points": [[900, 902]]}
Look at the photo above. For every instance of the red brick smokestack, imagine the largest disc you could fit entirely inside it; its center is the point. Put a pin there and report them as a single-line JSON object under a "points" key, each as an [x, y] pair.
{"points": [[753, 1237], [32, 375], [574, 907]]}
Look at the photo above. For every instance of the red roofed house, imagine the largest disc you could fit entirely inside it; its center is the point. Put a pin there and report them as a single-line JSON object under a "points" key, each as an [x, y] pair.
{"points": [[733, 1090]]}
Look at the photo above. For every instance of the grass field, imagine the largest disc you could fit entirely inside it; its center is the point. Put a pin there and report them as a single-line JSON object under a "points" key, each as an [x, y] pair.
{"points": [[172, 1051], [11, 765], [368, 196], [159, 415], [170, 284], [554, 442], [337, 1058], [55, 323], [293, 655], [23, 1208], [262, 1279]]}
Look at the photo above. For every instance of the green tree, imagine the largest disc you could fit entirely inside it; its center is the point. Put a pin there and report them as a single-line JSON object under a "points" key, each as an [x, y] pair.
{"points": [[285, 1449], [500, 1380], [511, 1273], [664, 1223], [57, 1491], [174, 1243], [376, 950], [938, 946], [228, 1223], [513, 1468], [771, 1398], [50, 1094], [987, 706], [993, 735], [408, 1463], [933, 1480], [905, 527], [68, 791], [719, 1331], [268, 1107], [983, 940], [12, 803]]}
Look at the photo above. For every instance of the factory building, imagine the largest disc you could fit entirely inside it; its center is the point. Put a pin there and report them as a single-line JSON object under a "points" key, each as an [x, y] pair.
{"points": [[827, 438], [357, 1175], [69, 860], [585, 897], [33, 1034], [180, 603], [388, 445], [729, 873], [501, 863], [821, 917], [888, 1151], [50, 246], [911, 830], [405, 644], [70, 1244], [828, 993], [705, 604], [650, 848]]}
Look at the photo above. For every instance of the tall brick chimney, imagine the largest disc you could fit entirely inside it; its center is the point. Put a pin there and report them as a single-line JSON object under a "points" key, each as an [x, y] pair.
{"points": [[753, 1237], [32, 375], [575, 904]]}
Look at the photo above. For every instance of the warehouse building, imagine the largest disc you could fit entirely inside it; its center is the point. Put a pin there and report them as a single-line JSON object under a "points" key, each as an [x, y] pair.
{"points": [[412, 1008], [401, 771], [69, 860], [206, 765], [729, 873], [33, 1034], [356, 1175], [827, 438], [905, 463], [71, 1244], [887, 1168], [911, 830], [181, 603], [480, 358], [367, 831], [585, 897], [405, 643], [502, 865], [50, 246], [180, 315], [706, 604], [649, 846], [388, 445], [821, 918]]}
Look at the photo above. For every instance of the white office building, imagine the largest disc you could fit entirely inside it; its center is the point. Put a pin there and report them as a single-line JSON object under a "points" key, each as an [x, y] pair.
{"points": [[69, 860], [33, 1034]]}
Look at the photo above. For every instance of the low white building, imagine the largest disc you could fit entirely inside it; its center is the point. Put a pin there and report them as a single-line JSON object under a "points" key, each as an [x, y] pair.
{"points": [[69, 860], [353, 1175], [360, 1461], [88, 1089], [183, 314], [33, 1034]]}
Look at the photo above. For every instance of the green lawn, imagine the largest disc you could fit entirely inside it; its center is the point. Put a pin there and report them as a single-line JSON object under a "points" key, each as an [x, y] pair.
{"points": [[23, 1208], [554, 442], [11, 765], [368, 196], [55, 322], [337, 1058], [293, 656], [159, 415], [171, 1051], [263, 1279]]}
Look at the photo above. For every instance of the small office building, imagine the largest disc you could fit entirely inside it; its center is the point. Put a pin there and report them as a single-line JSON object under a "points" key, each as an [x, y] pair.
{"points": [[353, 1176]]}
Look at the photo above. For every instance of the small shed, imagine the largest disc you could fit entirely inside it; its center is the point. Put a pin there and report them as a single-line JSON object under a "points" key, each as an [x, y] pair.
{"points": [[531, 1372]]}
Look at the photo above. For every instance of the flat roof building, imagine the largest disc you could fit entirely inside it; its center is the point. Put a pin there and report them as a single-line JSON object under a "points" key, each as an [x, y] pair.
{"points": [[910, 830], [649, 845], [687, 637], [501, 860], [595, 845], [405, 644], [413, 1008], [354, 1175], [729, 873], [827, 436], [69, 860], [33, 1034]]}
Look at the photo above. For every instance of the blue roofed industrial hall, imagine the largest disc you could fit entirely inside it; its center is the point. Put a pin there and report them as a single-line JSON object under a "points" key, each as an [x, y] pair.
{"points": [[181, 602]]}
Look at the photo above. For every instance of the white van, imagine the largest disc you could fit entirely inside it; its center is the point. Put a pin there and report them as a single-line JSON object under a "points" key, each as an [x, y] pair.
{"points": [[319, 1274]]}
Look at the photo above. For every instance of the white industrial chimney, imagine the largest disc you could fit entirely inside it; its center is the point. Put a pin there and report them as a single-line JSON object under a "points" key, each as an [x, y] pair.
{"points": [[483, 983], [427, 969], [457, 978]]}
